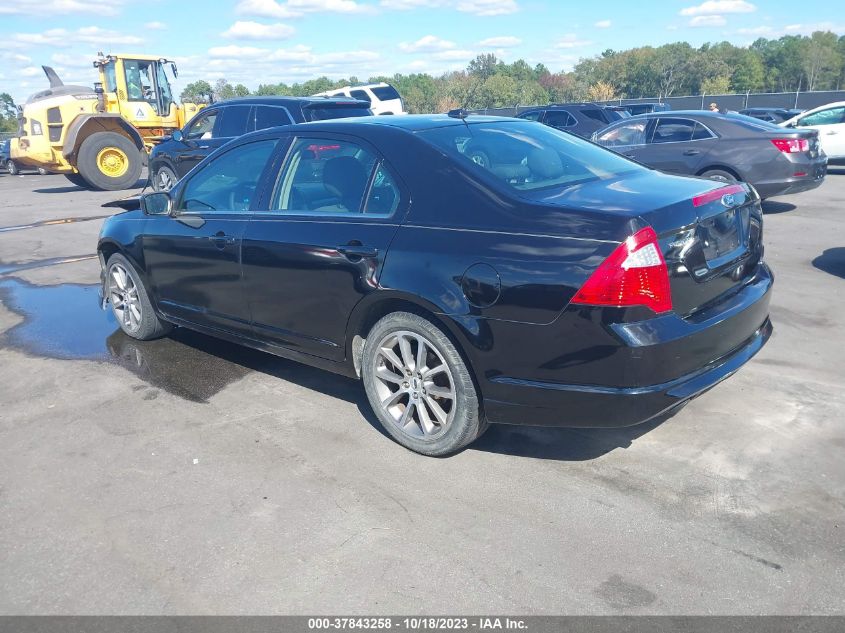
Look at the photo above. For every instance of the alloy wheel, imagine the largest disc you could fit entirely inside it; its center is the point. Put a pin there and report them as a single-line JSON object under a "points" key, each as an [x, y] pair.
{"points": [[414, 385], [123, 296]]}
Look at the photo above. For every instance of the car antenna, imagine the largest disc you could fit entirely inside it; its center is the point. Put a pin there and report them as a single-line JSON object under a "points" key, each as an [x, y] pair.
{"points": [[462, 114]]}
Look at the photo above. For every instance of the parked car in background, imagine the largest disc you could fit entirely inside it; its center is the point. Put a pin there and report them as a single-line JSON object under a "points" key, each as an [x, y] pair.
{"points": [[772, 115], [829, 121], [727, 147], [584, 291], [646, 108], [219, 123], [11, 166], [383, 98], [581, 119], [5, 153]]}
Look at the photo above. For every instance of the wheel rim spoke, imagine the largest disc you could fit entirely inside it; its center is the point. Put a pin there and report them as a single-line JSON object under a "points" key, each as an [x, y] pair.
{"points": [[391, 356], [407, 414], [385, 374], [437, 410], [123, 294], [407, 354], [438, 391], [426, 423]]}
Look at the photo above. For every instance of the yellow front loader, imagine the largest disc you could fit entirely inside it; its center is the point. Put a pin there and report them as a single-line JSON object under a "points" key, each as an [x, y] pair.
{"points": [[99, 138]]}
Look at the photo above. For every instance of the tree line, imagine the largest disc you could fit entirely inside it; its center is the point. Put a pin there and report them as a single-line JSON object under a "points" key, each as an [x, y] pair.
{"points": [[790, 63]]}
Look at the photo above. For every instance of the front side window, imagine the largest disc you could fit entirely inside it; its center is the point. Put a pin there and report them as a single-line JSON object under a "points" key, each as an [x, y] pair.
{"points": [[203, 126], [335, 177], [227, 184], [631, 133], [825, 117], [673, 130], [527, 157]]}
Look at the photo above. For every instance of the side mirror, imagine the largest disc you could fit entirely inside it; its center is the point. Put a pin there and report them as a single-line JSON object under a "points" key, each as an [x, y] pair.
{"points": [[157, 203], [177, 136]]}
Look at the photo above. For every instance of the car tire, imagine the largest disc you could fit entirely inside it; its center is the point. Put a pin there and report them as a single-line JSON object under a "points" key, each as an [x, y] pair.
{"points": [[163, 179], [12, 168], [130, 302], [109, 161], [77, 180], [720, 175], [42, 171], [433, 409], [479, 157]]}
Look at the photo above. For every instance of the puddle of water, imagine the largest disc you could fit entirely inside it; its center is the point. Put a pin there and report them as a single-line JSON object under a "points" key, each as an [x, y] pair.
{"points": [[21, 227], [66, 322], [5, 269]]}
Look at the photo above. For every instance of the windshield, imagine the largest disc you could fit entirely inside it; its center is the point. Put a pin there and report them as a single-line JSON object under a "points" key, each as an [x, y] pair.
{"points": [[340, 112], [164, 90], [527, 155]]}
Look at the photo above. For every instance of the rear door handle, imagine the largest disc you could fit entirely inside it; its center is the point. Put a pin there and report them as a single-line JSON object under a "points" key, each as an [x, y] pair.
{"points": [[692, 152], [220, 239], [357, 251]]}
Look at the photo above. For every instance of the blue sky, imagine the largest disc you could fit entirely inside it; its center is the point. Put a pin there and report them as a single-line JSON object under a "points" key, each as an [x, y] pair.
{"points": [[267, 41]]}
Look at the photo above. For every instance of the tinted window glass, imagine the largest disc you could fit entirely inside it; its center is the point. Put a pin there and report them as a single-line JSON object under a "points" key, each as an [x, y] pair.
{"points": [[360, 94], [700, 132], [385, 92], [384, 195], [268, 116], [232, 121], [526, 156], [673, 131], [324, 176], [750, 123], [631, 133], [203, 126], [825, 117], [559, 118], [596, 114], [111, 78], [531, 116], [340, 112], [228, 182]]}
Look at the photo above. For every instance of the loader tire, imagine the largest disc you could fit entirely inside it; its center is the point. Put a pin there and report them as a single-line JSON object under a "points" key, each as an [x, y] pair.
{"points": [[109, 161]]}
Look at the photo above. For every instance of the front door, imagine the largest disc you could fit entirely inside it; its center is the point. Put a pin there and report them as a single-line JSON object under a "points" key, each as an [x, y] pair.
{"points": [[193, 258], [319, 248], [830, 124], [626, 138]]}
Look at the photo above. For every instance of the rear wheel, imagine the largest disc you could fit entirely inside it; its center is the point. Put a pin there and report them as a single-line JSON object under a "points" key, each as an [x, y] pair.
{"points": [[12, 168], [163, 179], [419, 386], [42, 171], [77, 179], [130, 303], [720, 175], [109, 161], [479, 157]]}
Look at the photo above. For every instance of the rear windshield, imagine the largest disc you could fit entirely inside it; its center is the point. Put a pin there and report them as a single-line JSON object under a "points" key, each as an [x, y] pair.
{"points": [[750, 123], [339, 112], [526, 155], [385, 93]]}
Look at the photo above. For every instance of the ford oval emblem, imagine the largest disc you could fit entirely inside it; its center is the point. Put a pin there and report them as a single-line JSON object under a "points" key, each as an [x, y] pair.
{"points": [[728, 200]]}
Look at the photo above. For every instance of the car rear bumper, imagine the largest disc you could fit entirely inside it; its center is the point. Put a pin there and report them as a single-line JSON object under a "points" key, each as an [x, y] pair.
{"points": [[815, 173], [663, 341]]}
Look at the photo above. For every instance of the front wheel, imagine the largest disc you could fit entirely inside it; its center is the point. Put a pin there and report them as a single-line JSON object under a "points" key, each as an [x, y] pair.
{"points": [[163, 179], [109, 161], [130, 303], [42, 171], [419, 386], [12, 168]]}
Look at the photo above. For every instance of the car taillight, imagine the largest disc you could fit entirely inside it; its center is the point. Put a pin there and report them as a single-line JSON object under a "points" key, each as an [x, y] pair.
{"points": [[791, 145], [716, 194], [634, 274]]}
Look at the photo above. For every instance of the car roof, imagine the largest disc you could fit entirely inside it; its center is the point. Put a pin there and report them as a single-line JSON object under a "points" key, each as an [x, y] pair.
{"points": [[411, 122], [281, 101]]}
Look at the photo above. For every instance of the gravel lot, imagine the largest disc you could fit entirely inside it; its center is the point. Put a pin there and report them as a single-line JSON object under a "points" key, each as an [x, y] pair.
{"points": [[188, 476]]}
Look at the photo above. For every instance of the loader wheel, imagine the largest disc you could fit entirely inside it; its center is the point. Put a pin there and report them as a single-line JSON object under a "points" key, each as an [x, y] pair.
{"points": [[77, 180], [12, 168], [109, 161]]}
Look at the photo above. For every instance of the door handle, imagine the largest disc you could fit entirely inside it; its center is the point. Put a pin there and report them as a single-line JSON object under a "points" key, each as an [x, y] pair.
{"points": [[832, 132], [357, 251], [692, 152], [220, 239], [630, 155]]}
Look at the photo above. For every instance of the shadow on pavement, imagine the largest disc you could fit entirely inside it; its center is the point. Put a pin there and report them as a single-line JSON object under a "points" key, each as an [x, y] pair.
{"points": [[772, 206], [832, 261], [68, 188]]}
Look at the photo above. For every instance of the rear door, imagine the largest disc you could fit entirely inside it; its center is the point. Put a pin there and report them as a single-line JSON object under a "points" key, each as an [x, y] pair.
{"points": [[265, 116], [194, 257], [830, 124], [318, 247], [677, 145]]}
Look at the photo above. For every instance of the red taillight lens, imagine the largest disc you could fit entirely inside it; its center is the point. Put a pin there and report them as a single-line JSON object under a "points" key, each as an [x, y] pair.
{"points": [[791, 145], [716, 194], [635, 274]]}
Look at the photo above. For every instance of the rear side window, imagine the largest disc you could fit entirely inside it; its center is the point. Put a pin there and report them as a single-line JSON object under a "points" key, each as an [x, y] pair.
{"points": [[700, 132], [227, 184], [385, 93], [559, 118], [232, 121], [525, 156], [269, 116], [360, 94], [337, 112], [595, 114], [631, 133], [530, 116], [673, 130]]}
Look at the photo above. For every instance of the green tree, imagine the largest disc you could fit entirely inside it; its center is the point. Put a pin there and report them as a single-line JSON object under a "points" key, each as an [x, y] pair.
{"points": [[820, 60], [749, 73], [716, 85], [197, 91]]}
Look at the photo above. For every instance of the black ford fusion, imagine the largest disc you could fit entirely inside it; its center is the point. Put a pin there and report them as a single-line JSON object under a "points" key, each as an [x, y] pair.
{"points": [[567, 287]]}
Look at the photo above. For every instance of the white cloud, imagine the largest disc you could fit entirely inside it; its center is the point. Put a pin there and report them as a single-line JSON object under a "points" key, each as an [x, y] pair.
{"points": [[296, 8], [454, 55], [427, 43], [155, 26], [717, 7], [265, 9], [30, 71], [504, 41], [404, 5], [257, 31], [38, 8], [603, 24], [487, 7], [104, 38], [708, 20], [791, 29], [571, 40]]}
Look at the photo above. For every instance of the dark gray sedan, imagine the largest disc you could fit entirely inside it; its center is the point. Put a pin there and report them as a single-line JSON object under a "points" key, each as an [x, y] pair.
{"points": [[728, 147]]}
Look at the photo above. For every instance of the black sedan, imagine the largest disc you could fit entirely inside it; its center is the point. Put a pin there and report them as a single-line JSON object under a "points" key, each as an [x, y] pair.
{"points": [[727, 147], [585, 290]]}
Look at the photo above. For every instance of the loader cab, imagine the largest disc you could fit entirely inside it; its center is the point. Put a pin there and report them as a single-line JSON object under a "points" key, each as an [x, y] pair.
{"points": [[139, 88]]}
